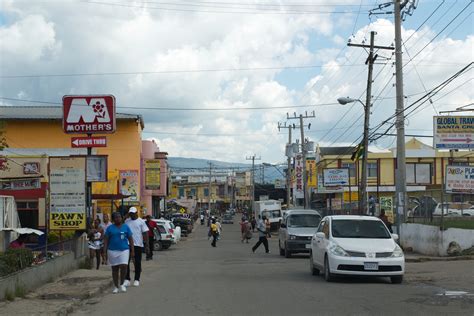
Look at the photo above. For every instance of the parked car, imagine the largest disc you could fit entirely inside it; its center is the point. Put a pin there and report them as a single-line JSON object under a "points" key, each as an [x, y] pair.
{"points": [[296, 230], [227, 219], [356, 245], [448, 210], [175, 230], [185, 224], [167, 238]]}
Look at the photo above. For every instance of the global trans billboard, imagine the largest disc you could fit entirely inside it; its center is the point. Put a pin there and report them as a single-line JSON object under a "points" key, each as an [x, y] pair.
{"points": [[89, 114]]}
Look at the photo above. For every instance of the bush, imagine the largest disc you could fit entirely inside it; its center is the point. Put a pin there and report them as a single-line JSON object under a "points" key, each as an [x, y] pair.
{"points": [[53, 236], [14, 260]]}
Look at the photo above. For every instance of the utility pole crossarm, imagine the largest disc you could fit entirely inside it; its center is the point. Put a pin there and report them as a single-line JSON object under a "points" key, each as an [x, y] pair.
{"points": [[368, 46]]}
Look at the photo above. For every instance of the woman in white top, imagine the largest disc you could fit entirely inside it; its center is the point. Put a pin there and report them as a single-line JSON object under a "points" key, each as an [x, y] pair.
{"points": [[95, 236]]}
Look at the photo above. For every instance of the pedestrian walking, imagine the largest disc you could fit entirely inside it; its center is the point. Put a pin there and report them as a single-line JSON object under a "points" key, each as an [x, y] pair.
{"points": [[268, 227], [152, 226], [262, 235], [118, 243], [385, 220], [219, 229], [104, 225], [214, 230], [253, 222], [95, 237], [246, 230], [140, 241]]}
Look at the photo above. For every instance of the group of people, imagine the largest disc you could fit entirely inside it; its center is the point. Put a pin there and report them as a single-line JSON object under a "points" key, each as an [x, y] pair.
{"points": [[215, 230], [122, 243]]}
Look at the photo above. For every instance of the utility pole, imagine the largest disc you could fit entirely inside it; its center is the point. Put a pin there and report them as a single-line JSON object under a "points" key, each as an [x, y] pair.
{"points": [[288, 172], [253, 158], [368, 104], [303, 152], [210, 183], [400, 179]]}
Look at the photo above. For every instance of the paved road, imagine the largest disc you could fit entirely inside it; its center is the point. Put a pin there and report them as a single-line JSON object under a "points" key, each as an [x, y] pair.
{"points": [[195, 279]]}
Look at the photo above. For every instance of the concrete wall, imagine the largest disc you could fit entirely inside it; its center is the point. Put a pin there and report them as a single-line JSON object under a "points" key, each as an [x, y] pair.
{"points": [[430, 240], [29, 279]]}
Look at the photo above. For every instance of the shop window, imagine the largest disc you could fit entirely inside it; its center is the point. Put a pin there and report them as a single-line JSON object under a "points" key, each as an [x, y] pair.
{"points": [[419, 173], [351, 167], [372, 170], [28, 213]]}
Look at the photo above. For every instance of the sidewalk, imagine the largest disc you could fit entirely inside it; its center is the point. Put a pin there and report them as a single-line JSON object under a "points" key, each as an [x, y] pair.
{"points": [[416, 257], [63, 295]]}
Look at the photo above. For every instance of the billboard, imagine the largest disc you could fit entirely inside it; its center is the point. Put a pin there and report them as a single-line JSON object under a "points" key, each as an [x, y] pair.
{"points": [[152, 174], [129, 184], [453, 132], [311, 172], [88, 114], [298, 189], [386, 204], [335, 177], [459, 179], [67, 193]]}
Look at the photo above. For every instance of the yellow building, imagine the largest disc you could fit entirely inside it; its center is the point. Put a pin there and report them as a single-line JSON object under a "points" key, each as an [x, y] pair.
{"points": [[35, 133], [425, 168]]}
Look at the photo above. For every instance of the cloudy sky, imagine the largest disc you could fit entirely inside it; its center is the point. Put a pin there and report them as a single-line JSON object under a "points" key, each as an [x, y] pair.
{"points": [[212, 79]]}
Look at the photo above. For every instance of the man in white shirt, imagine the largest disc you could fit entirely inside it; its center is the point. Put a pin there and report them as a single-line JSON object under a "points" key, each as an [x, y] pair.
{"points": [[140, 239]]}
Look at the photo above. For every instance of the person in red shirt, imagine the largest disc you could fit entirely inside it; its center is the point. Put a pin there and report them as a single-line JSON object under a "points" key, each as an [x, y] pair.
{"points": [[19, 242], [151, 236]]}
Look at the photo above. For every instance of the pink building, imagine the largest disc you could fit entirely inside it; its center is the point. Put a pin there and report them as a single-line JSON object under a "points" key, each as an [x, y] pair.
{"points": [[153, 200]]}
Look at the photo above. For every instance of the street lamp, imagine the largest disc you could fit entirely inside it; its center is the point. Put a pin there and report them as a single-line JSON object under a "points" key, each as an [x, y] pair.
{"points": [[363, 184]]}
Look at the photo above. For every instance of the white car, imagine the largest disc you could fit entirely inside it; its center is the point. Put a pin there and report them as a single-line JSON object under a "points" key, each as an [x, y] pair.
{"points": [[175, 230], [356, 245]]}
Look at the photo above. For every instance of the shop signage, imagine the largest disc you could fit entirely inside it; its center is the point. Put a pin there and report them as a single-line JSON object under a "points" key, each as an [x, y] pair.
{"points": [[386, 204], [67, 193], [31, 168], [335, 177], [88, 114], [453, 132], [84, 142], [459, 179], [20, 184], [311, 171], [152, 174], [298, 190]]}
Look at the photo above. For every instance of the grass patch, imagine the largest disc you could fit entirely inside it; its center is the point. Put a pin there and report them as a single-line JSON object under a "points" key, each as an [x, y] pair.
{"points": [[20, 291], [453, 223], [9, 296]]}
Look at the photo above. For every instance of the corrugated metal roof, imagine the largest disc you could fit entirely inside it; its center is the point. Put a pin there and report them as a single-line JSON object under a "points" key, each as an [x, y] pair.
{"points": [[49, 113], [336, 151]]}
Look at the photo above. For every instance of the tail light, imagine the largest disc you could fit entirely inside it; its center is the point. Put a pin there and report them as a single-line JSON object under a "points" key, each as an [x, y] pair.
{"points": [[171, 230]]}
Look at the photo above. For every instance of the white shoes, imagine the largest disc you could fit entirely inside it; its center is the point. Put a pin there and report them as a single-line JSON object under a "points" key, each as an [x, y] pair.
{"points": [[123, 289], [136, 283], [115, 291], [126, 283]]}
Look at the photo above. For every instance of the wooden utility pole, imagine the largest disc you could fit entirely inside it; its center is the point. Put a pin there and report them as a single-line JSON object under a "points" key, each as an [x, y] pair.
{"points": [[253, 158], [368, 104], [304, 151], [288, 170], [210, 184]]}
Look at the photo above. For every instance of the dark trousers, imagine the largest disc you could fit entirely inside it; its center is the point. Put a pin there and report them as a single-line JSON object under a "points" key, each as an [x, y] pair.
{"points": [[262, 239], [138, 264], [214, 239], [151, 245]]}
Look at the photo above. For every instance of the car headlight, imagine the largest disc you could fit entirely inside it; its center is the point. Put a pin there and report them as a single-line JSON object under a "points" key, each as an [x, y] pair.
{"points": [[292, 237], [338, 251], [397, 252]]}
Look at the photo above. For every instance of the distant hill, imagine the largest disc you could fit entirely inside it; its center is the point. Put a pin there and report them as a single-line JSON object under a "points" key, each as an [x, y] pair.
{"points": [[186, 163], [179, 164]]}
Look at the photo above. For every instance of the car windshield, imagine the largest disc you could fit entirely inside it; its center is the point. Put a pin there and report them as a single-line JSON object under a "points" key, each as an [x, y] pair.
{"points": [[304, 220], [348, 228], [272, 214], [227, 217]]}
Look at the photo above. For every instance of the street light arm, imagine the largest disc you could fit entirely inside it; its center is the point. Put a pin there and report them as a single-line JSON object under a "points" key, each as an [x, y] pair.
{"points": [[346, 100]]}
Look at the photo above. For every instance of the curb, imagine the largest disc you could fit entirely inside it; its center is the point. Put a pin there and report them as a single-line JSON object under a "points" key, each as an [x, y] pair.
{"points": [[71, 307], [425, 259]]}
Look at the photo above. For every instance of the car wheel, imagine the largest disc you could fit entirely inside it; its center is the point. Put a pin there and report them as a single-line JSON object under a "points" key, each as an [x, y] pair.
{"points": [[157, 246], [327, 270], [282, 252], [314, 271], [287, 252], [396, 279]]}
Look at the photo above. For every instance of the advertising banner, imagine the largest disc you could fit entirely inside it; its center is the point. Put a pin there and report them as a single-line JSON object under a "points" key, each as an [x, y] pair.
{"points": [[280, 184], [67, 193], [129, 184], [311, 171], [327, 190], [386, 204], [298, 190], [459, 179], [152, 174], [335, 177], [453, 132], [89, 114]]}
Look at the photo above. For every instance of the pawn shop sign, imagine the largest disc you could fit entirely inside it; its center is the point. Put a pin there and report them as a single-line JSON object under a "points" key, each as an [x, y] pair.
{"points": [[89, 114]]}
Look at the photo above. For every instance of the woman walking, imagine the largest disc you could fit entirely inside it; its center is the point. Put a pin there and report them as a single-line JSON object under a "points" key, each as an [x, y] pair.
{"points": [[118, 243], [95, 242]]}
